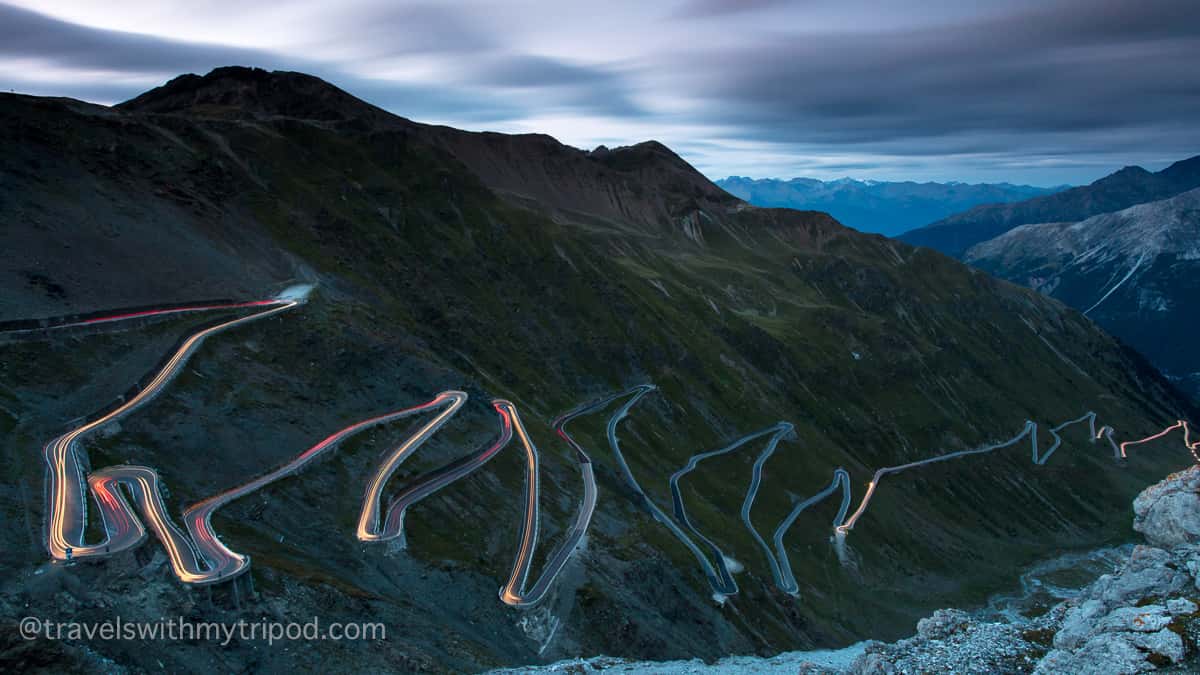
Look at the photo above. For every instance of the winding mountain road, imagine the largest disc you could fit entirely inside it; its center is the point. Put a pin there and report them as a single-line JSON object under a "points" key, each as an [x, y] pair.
{"points": [[721, 582], [200, 557], [66, 488]]}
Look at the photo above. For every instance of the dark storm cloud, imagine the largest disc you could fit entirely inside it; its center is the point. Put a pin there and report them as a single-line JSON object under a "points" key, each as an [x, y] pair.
{"points": [[423, 29], [1067, 70], [713, 8], [481, 59], [26, 34]]}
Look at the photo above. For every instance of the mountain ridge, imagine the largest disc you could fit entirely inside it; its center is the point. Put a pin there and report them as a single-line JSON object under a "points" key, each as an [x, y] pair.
{"points": [[531, 166], [886, 207], [1121, 189], [1133, 271]]}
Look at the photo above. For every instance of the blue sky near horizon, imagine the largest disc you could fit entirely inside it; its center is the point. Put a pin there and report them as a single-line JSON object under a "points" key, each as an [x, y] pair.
{"points": [[1039, 92]]}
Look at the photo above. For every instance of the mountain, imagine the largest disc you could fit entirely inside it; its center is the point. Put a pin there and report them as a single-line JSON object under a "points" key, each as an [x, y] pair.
{"points": [[515, 267], [1136, 272], [1127, 187], [877, 206]]}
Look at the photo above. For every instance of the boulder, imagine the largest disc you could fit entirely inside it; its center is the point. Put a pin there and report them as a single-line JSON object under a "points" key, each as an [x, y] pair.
{"points": [[1164, 643], [1177, 606], [1107, 654], [1168, 513], [1077, 624], [1146, 619], [1150, 573], [942, 624]]}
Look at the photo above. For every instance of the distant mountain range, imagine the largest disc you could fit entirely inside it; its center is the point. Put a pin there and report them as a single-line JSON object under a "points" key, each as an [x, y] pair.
{"points": [[1136, 272], [878, 206], [1120, 190]]}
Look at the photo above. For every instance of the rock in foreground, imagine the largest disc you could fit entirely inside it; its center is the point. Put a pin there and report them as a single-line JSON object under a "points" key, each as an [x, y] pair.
{"points": [[1139, 619]]}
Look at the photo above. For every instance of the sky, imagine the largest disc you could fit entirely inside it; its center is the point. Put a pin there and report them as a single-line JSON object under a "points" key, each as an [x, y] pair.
{"points": [[1043, 92]]}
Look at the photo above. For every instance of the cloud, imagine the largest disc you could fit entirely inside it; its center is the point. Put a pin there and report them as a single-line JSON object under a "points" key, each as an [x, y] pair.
{"points": [[28, 35], [1073, 77], [705, 9], [491, 83], [1028, 90], [382, 29]]}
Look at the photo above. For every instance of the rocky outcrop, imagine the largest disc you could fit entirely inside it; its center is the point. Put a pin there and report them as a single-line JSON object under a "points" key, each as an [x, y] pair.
{"points": [[1166, 513], [1143, 617], [951, 641]]}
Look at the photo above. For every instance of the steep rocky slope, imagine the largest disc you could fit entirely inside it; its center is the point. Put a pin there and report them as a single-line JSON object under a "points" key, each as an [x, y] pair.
{"points": [[516, 267], [1136, 272], [878, 206], [1127, 187]]}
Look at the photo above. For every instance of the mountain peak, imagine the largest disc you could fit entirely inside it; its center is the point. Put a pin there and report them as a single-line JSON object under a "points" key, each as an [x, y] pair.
{"points": [[1132, 170], [641, 155], [238, 91]]}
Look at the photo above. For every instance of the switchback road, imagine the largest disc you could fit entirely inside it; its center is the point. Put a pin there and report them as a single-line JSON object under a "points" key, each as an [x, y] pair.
{"points": [[200, 557]]}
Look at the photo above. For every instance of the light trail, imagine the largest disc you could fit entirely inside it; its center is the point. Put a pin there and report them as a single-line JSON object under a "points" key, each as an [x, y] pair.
{"points": [[1193, 447], [1030, 430], [200, 557], [60, 323], [725, 584], [66, 488], [722, 582], [514, 593], [225, 563]]}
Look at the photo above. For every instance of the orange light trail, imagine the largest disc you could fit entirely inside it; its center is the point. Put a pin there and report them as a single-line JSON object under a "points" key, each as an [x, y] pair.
{"points": [[1030, 430], [67, 497], [781, 569], [200, 557]]}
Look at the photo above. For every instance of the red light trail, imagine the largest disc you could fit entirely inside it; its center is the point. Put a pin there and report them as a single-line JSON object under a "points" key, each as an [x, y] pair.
{"points": [[200, 557]]}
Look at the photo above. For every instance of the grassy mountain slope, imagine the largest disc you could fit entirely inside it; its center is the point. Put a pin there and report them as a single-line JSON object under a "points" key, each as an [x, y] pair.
{"points": [[516, 267]]}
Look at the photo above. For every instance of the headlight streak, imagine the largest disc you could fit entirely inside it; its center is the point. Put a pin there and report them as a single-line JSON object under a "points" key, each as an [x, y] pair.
{"points": [[203, 558], [200, 557], [66, 487], [725, 584], [722, 583]]}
